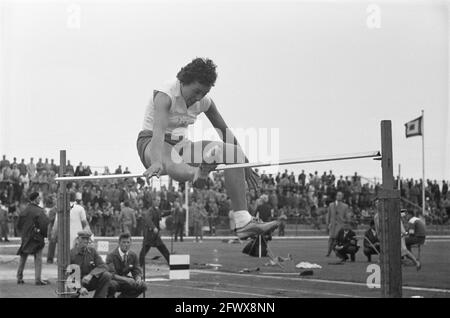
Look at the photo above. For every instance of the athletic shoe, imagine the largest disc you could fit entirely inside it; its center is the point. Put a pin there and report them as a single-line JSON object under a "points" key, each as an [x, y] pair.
{"points": [[20, 282], [254, 228]]}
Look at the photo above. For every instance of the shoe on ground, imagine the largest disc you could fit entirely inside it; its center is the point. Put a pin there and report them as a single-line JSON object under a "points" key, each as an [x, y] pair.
{"points": [[255, 228], [20, 282], [42, 282]]}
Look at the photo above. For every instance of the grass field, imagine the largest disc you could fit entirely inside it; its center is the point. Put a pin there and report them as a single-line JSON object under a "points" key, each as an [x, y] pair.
{"points": [[347, 280]]}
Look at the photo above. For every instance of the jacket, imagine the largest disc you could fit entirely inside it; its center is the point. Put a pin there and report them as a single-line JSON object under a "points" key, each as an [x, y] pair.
{"points": [[117, 266], [32, 226], [336, 217], [89, 261], [370, 237], [151, 221], [346, 240]]}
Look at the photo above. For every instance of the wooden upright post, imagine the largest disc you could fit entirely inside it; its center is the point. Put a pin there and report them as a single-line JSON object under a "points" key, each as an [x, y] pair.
{"points": [[391, 270], [63, 227], [186, 201]]}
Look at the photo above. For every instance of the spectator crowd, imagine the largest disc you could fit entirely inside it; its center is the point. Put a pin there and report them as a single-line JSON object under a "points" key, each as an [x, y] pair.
{"points": [[113, 206]]}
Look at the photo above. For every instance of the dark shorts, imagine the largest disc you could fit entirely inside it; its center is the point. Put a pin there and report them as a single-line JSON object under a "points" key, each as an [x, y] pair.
{"points": [[144, 138], [412, 240]]}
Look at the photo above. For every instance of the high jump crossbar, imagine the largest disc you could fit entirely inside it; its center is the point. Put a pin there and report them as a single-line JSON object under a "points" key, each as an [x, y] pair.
{"points": [[361, 155]]}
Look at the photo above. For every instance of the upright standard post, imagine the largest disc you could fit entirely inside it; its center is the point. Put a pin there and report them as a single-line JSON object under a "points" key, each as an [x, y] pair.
{"points": [[186, 200], [391, 270], [424, 185], [63, 228], [259, 248]]}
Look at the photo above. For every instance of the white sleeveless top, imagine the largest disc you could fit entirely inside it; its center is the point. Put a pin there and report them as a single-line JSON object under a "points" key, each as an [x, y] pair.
{"points": [[179, 115]]}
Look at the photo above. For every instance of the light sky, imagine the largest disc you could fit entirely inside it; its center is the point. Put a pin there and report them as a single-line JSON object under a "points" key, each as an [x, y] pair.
{"points": [[78, 76]]}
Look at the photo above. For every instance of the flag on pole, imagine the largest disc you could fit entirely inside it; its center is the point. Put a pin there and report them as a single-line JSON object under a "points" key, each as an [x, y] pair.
{"points": [[414, 127]]}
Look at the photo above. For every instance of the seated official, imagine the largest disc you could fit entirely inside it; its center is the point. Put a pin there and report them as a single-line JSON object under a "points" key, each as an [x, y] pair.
{"points": [[94, 272], [346, 243], [416, 230], [126, 274], [371, 242]]}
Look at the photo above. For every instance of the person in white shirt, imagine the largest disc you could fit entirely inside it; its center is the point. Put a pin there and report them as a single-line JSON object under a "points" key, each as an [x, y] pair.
{"points": [[31, 168], [164, 149], [78, 220]]}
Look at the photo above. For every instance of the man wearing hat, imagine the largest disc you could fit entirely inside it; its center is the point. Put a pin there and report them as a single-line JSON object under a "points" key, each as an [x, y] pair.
{"points": [[93, 271], [32, 225]]}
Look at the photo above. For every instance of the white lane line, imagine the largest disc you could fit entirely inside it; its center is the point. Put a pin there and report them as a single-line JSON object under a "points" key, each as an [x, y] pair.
{"points": [[157, 279], [436, 290], [218, 290], [337, 282], [301, 291]]}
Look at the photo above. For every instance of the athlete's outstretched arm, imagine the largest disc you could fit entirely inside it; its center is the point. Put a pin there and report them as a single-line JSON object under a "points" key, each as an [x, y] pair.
{"points": [[219, 123]]}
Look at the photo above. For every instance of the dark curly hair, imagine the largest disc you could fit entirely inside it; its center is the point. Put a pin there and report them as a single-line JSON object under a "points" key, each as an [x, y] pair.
{"points": [[125, 235], [202, 70]]}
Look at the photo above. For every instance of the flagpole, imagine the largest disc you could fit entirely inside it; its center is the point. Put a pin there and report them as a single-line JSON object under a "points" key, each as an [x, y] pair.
{"points": [[423, 164]]}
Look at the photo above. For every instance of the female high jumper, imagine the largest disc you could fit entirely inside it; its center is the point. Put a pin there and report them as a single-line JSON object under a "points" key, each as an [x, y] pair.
{"points": [[164, 149]]}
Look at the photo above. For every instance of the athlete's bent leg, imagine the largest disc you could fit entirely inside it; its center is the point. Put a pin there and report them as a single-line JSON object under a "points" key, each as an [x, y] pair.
{"points": [[227, 153]]}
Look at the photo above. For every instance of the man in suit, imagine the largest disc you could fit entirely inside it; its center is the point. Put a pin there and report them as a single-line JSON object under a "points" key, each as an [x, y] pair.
{"points": [[371, 242], [346, 243], [93, 271], [127, 217], [51, 240], [4, 223], [126, 274], [152, 237], [338, 214], [179, 219], [32, 226]]}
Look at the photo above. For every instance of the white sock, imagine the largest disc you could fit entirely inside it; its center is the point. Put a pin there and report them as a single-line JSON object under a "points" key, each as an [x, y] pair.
{"points": [[241, 218]]}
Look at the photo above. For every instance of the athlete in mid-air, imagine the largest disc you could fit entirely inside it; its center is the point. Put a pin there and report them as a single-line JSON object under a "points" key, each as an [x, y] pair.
{"points": [[164, 149]]}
